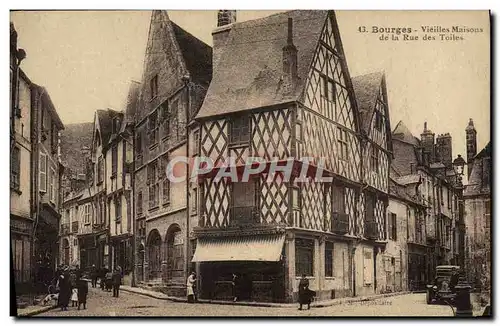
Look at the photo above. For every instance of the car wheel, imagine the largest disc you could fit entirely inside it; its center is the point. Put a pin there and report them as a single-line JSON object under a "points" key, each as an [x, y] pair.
{"points": [[428, 298]]}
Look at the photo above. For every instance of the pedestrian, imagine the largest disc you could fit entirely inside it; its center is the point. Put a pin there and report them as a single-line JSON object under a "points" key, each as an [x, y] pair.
{"points": [[116, 279], [102, 277], [64, 289], [236, 282], [93, 275], [454, 280], [83, 290], [304, 292], [191, 281], [74, 297]]}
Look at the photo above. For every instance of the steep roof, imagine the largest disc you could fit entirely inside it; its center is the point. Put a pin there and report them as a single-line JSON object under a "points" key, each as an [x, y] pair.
{"points": [[47, 103], [366, 88], [132, 99], [401, 132], [197, 55], [480, 177], [408, 179], [73, 138], [250, 70], [106, 123]]}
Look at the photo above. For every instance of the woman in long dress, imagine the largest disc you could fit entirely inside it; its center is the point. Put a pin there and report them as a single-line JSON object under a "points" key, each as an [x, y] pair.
{"points": [[64, 289], [191, 281], [304, 293]]}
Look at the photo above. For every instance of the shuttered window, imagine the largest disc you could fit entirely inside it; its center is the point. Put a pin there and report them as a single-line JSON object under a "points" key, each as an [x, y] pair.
{"points": [[304, 257], [15, 168], [338, 199], [392, 226], [43, 172]]}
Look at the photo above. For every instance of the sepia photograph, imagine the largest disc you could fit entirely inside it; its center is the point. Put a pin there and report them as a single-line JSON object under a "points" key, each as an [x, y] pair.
{"points": [[250, 163]]}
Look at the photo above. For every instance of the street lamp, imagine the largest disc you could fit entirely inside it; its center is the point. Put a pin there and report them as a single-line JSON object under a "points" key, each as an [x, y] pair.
{"points": [[458, 166]]}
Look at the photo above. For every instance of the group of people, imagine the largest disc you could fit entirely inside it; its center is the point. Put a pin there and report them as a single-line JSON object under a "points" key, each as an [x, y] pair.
{"points": [[72, 287], [109, 280]]}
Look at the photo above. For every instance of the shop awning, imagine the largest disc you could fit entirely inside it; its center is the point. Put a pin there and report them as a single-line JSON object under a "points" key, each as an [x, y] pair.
{"points": [[244, 248]]}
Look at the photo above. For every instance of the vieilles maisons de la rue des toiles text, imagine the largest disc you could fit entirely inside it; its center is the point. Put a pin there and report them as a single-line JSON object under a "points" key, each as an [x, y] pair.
{"points": [[431, 33]]}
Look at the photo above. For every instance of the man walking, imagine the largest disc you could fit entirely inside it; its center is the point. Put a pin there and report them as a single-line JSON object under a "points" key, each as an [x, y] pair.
{"points": [[116, 280], [93, 275], [191, 281]]}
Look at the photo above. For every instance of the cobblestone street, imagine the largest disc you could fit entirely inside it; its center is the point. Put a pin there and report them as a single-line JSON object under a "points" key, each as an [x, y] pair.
{"points": [[130, 304]]}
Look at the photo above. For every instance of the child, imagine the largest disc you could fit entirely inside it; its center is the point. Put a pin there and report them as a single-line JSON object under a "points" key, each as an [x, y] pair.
{"points": [[74, 297], [83, 289]]}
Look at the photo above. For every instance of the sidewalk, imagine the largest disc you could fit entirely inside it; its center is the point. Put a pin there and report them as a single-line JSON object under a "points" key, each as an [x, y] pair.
{"points": [[34, 310], [319, 304]]}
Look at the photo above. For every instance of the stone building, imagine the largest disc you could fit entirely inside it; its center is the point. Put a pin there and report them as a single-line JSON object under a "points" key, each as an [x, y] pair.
{"points": [[478, 241], [177, 72], [428, 161], [21, 206]]}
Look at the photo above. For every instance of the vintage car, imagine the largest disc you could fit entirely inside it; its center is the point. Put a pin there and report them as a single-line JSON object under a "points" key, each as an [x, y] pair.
{"points": [[442, 289]]}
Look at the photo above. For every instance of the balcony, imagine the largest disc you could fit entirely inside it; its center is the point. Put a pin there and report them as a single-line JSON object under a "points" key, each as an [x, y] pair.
{"points": [[371, 230], [74, 227], [65, 229], [242, 216], [340, 223], [98, 227]]}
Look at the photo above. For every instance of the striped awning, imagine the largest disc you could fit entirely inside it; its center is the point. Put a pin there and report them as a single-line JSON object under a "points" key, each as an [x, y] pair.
{"points": [[243, 248]]}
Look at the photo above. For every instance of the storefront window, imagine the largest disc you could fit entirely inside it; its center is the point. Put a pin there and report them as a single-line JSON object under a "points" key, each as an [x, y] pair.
{"points": [[304, 257]]}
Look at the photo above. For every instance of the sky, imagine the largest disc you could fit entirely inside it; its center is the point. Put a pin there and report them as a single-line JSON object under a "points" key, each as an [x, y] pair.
{"points": [[87, 59]]}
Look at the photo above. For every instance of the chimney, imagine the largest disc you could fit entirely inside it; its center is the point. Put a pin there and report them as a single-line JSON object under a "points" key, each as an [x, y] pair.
{"points": [[427, 140], [444, 149], [225, 21], [289, 59]]}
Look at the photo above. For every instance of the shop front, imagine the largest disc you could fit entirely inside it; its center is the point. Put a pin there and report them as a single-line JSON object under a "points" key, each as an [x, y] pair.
{"points": [[256, 260]]}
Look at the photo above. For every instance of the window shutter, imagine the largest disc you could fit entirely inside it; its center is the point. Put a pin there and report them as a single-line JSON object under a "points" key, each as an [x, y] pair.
{"points": [[43, 172]]}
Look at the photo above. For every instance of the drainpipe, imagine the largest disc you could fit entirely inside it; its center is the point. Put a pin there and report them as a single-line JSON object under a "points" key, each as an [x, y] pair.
{"points": [[186, 80]]}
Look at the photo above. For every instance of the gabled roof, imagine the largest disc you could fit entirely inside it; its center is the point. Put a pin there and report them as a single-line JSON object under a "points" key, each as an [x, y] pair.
{"points": [[48, 104], [366, 88], [73, 138], [197, 55], [401, 132], [480, 177], [132, 100], [250, 69], [105, 118]]}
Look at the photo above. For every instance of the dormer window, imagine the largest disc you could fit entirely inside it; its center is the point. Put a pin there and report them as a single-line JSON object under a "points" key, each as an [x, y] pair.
{"points": [[240, 130]]}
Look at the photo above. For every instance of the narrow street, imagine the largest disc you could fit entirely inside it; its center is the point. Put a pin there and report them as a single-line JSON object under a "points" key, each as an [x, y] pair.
{"points": [[129, 304]]}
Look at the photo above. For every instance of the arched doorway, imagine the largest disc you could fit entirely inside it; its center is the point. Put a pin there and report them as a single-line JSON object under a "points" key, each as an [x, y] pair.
{"points": [[65, 251], [154, 254], [175, 254]]}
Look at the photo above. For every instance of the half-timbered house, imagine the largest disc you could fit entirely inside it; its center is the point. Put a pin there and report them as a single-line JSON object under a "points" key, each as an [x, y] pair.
{"points": [[281, 91]]}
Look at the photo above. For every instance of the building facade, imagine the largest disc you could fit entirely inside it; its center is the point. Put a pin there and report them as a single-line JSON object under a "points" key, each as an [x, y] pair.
{"points": [[290, 99], [477, 197], [177, 71], [21, 207]]}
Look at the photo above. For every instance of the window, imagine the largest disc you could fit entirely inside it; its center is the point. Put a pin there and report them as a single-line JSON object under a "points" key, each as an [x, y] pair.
{"points": [[114, 160], [53, 138], [441, 194], [118, 209], [328, 259], [393, 227], [165, 120], [75, 242], [52, 192], [153, 184], [100, 170], [15, 168], [196, 142], [166, 191], [243, 194], [174, 117], [138, 144], [139, 204], [240, 129], [153, 128], [298, 131], [153, 85], [43, 172], [296, 198], [379, 120], [374, 159], [328, 88], [343, 144], [116, 125], [86, 214], [304, 257], [338, 199], [370, 208]]}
